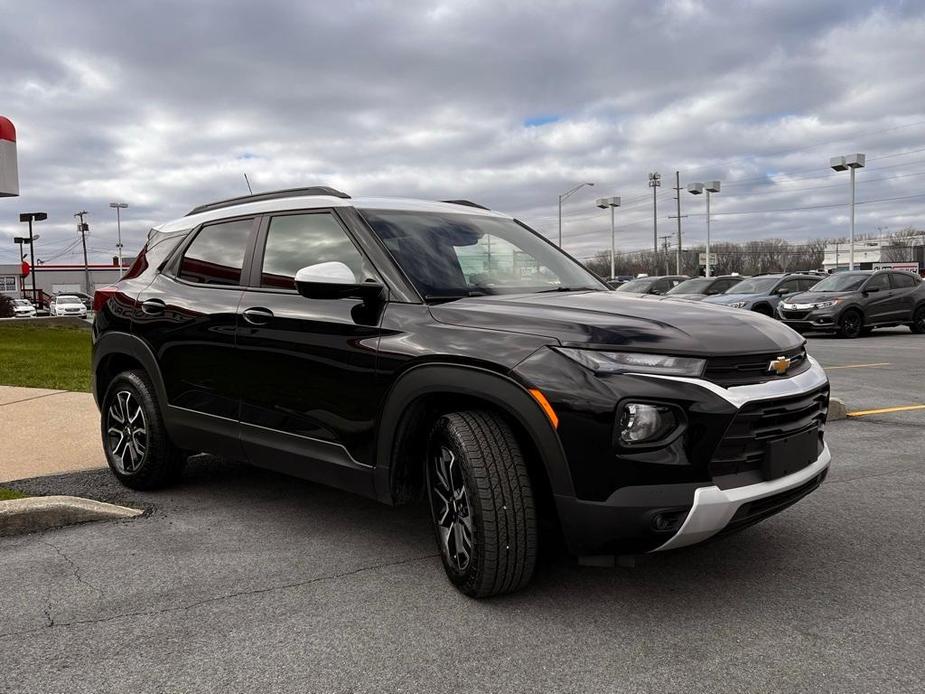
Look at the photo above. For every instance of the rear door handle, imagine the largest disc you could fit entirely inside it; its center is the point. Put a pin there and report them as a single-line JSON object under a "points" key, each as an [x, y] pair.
{"points": [[153, 307], [257, 315]]}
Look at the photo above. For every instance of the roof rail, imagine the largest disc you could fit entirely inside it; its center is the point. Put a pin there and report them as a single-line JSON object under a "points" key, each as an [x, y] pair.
{"points": [[467, 203], [272, 195]]}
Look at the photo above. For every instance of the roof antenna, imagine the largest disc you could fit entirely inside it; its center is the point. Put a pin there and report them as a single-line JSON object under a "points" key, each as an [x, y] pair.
{"points": [[251, 190]]}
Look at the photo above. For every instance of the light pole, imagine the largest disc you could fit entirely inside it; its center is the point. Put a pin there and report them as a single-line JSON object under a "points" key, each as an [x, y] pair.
{"points": [[604, 203], [851, 162], [564, 196], [33, 217], [697, 189], [655, 181], [118, 207]]}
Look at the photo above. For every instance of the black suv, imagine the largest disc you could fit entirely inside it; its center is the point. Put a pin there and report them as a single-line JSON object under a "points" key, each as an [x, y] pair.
{"points": [[851, 304], [404, 348]]}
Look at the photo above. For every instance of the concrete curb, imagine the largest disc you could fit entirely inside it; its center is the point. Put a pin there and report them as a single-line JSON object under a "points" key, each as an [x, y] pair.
{"points": [[32, 514], [837, 410]]}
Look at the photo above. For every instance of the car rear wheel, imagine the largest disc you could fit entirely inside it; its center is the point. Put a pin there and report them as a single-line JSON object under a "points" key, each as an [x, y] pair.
{"points": [[481, 504], [918, 321], [850, 324], [137, 448]]}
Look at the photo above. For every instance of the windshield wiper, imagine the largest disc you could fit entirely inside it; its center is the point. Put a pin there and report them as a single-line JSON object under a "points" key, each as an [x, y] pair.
{"points": [[568, 289]]}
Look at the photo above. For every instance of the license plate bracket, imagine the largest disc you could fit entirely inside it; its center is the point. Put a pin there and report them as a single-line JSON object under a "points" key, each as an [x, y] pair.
{"points": [[789, 454]]}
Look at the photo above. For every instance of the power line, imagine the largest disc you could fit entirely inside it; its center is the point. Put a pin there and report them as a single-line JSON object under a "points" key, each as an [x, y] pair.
{"points": [[808, 207]]}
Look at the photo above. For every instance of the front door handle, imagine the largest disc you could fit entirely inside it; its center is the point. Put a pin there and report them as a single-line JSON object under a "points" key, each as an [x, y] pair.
{"points": [[153, 307], [257, 315]]}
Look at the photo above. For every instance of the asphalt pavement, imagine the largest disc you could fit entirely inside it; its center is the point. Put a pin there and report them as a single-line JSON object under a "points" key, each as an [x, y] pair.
{"points": [[241, 580]]}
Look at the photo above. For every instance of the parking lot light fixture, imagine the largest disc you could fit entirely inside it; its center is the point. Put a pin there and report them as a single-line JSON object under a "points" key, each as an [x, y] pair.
{"points": [[33, 217], [119, 206], [564, 196], [849, 162], [604, 203], [709, 187]]}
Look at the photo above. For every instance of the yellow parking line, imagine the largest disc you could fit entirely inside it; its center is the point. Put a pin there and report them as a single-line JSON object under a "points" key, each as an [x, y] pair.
{"points": [[856, 366], [885, 410]]}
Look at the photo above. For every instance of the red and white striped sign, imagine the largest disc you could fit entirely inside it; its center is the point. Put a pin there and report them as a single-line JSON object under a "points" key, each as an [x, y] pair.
{"points": [[9, 172]]}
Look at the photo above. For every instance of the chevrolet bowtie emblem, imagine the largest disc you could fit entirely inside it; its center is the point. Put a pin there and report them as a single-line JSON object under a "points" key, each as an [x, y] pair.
{"points": [[779, 366]]}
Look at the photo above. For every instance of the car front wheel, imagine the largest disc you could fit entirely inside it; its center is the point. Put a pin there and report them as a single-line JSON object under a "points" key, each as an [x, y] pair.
{"points": [[137, 448], [850, 324], [481, 504]]}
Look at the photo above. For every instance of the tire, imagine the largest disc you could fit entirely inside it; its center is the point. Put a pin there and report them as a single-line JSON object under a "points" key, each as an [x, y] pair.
{"points": [[850, 324], [135, 441], [764, 310], [476, 471], [918, 321]]}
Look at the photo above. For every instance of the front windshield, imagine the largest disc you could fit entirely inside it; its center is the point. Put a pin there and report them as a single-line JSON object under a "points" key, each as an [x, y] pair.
{"points": [[758, 285], [640, 286], [449, 256], [68, 300], [20, 302], [842, 282], [697, 285]]}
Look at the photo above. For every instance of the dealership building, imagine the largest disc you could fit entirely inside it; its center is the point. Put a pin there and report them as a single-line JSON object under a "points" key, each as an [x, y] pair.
{"points": [[57, 279]]}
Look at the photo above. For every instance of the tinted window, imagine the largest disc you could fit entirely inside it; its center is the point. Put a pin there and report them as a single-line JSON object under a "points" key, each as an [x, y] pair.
{"points": [[721, 286], [697, 285], [761, 285], [641, 286], [808, 283], [902, 281], [878, 282], [842, 282], [791, 286], [216, 255], [297, 241]]}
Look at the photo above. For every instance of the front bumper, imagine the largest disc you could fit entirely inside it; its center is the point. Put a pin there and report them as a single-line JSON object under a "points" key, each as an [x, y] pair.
{"points": [[714, 508], [811, 319], [629, 520]]}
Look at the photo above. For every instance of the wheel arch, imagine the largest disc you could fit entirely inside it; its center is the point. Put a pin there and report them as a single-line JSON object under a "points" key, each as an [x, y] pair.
{"points": [[424, 392], [115, 352]]}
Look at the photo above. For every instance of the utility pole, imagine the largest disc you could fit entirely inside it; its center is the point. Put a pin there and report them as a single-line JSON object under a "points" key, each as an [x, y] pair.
{"points": [[677, 193], [83, 228], [666, 244]]}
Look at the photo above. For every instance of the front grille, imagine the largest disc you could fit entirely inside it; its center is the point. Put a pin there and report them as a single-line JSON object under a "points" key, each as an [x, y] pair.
{"points": [[738, 458], [794, 315], [746, 370], [755, 511]]}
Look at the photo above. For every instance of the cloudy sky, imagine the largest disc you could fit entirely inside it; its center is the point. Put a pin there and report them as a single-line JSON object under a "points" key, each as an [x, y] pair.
{"points": [[165, 105]]}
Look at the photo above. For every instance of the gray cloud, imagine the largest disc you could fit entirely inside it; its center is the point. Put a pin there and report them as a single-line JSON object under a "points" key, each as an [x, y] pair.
{"points": [[164, 105]]}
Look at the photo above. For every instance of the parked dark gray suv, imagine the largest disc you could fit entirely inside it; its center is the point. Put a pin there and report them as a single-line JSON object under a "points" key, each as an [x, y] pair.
{"points": [[852, 304]]}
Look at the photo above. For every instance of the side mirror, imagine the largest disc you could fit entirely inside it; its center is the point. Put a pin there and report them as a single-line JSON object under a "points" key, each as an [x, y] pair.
{"points": [[871, 289], [334, 280]]}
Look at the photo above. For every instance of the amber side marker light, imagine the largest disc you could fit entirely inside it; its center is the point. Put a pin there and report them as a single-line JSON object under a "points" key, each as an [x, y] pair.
{"points": [[547, 408]]}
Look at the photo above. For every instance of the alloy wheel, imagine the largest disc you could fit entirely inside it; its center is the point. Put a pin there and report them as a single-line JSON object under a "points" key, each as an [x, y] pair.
{"points": [[851, 324], [452, 511], [127, 432]]}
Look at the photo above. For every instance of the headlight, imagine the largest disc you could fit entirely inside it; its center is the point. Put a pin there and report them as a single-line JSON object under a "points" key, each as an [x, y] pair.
{"points": [[640, 423], [826, 304], [738, 304], [633, 362]]}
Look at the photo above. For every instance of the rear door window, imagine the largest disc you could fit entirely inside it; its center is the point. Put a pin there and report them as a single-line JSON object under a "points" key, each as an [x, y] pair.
{"points": [[901, 281], [216, 255]]}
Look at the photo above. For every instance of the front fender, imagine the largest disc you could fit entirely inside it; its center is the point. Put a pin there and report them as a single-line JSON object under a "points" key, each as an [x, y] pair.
{"points": [[501, 391]]}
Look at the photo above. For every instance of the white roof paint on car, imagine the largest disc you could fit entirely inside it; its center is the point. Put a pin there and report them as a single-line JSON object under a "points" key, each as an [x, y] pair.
{"points": [[308, 202]]}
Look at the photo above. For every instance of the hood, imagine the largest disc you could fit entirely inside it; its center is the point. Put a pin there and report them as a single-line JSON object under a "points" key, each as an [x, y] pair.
{"points": [[603, 319], [816, 297], [684, 297], [725, 299]]}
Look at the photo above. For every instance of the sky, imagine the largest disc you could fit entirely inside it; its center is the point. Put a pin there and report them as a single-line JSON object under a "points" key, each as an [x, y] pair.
{"points": [[165, 105]]}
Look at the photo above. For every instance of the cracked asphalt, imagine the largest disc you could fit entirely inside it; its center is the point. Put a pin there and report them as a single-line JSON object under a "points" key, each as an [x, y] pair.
{"points": [[241, 580]]}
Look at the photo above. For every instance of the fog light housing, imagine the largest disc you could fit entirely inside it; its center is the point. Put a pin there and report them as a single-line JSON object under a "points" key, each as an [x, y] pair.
{"points": [[643, 423]]}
